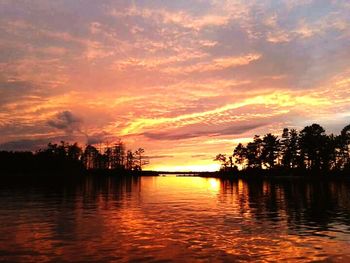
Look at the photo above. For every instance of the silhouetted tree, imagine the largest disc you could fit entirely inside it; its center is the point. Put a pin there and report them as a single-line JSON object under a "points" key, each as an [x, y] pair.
{"points": [[328, 153], [270, 150], [130, 160], [312, 139], [118, 155], [254, 150], [343, 151], [230, 162], [289, 148], [223, 161], [140, 160], [109, 157], [65, 157], [240, 155], [74, 152], [285, 154], [310, 149], [90, 156]]}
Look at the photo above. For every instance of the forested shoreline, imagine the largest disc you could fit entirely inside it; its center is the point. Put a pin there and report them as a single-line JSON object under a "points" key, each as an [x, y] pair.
{"points": [[305, 152], [298, 153], [65, 158]]}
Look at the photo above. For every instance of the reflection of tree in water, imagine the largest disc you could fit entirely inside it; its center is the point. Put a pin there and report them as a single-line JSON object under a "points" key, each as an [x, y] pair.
{"points": [[304, 205], [44, 214], [67, 207], [111, 188], [87, 188]]}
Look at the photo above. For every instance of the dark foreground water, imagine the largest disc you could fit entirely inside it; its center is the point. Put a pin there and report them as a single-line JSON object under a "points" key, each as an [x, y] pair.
{"points": [[181, 219]]}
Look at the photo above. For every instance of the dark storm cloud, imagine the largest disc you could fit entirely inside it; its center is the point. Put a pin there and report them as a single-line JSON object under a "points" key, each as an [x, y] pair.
{"points": [[66, 121]]}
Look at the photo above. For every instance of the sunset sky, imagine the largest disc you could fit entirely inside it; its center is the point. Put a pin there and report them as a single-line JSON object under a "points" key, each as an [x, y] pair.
{"points": [[184, 80]]}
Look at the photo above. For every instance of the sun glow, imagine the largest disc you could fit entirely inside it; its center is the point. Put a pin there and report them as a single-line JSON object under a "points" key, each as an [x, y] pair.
{"points": [[214, 184], [186, 168]]}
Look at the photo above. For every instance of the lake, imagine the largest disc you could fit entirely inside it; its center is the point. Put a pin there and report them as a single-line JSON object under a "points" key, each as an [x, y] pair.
{"points": [[174, 219]]}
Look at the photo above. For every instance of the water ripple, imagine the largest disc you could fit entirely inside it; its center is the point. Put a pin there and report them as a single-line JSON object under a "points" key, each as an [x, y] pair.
{"points": [[171, 219]]}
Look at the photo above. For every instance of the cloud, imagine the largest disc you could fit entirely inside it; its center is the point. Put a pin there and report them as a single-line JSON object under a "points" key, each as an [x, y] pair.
{"points": [[159, 156], [232, 130], [198, 155], [66, 121], [14, 91], [180, 18], [31, 144], [215, 64], [101, 137]]}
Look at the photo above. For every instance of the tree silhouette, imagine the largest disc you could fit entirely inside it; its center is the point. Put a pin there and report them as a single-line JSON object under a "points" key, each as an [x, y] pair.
{"points": [[74, 152], [65, 157], [109, 157], [289, 148], [254, 150], [130, 160], [344, 147], [140, 160], [270, 150], [240, 155], [311, 149], [223, 161], [118, 155], [90, 156], [312, 139], [328, 153]]}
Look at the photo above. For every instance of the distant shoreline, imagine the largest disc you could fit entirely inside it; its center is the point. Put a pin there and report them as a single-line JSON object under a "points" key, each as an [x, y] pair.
{"points": [[246, 174]]}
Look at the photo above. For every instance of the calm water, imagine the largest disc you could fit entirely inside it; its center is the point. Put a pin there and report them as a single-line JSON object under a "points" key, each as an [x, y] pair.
{"points": [[181, 219]]}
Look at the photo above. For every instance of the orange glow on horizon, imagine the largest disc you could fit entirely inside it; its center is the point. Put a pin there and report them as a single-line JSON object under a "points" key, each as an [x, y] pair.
{"points": [[210, 167]]}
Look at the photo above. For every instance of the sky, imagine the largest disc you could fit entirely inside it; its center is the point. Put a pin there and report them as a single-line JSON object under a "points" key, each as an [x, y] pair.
{"points": [[183, 79]]}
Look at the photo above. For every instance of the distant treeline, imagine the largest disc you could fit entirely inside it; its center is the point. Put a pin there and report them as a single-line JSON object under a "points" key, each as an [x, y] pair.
{"points": [[311, 149], [69, 158]]}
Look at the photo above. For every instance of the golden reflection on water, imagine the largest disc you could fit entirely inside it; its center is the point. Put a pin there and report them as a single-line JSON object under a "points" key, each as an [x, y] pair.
{"points": [[181, 219], [214, 185], [175, 183]]}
